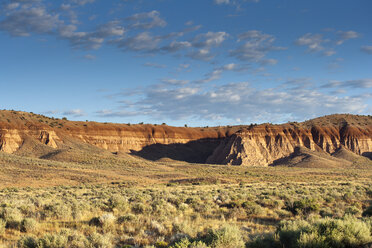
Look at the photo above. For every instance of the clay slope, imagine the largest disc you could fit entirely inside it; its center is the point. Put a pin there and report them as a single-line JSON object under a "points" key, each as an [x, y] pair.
{"points": [[343, 153], [263, 144], [306, 158]]}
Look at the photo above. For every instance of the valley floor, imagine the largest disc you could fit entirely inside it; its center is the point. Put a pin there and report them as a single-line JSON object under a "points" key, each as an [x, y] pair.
{"points": [[114, 201]]}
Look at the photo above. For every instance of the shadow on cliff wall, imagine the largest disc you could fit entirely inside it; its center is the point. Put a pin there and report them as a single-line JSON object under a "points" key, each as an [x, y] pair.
{"points": [[367, 154], [192, 152]]}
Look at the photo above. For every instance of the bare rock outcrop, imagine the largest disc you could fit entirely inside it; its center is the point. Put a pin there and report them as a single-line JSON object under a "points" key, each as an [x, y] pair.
{"points": [[262, 145], [255, 145]]}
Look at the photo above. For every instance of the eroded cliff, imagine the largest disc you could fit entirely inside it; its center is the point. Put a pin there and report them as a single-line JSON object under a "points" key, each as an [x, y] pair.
{"points": [[263, 145], [16, 127], [255, 145]]}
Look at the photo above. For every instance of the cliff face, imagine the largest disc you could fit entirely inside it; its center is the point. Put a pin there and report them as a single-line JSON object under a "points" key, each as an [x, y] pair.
{"points": [[15, 127], [264, 144], [260, 145]]}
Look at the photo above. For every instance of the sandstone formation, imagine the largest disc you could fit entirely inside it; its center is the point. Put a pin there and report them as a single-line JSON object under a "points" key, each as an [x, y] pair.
{"points": [[16, 127], [264, 144], [255, 145]]}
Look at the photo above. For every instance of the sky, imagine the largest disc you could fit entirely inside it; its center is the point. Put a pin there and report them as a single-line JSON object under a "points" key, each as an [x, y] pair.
{"points": [[194, 62]]}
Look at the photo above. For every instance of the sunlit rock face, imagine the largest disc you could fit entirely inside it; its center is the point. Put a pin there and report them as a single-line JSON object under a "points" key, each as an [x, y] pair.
{"points": [[255, 145]]}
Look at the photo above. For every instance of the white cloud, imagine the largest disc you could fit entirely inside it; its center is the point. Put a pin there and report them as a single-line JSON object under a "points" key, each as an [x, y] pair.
{"points": [[222, 1], [367, 49], [27, 20], [82, 2], [154, 65], [354, 84], [255, 46], [89, 57], [234, 2], [147, 20], [314, 42], [175, 81], [203, 44], [240, 100], [144, 42], [329, 53], [74, 113], [346, 35]]}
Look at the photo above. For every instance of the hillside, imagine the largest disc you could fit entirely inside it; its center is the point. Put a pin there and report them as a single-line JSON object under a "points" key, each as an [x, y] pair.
{"points": [[38, 136], [262, 145]]}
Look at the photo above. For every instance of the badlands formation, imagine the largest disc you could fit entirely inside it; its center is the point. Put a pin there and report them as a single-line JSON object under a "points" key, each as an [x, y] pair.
{"points": [[329, 141]]}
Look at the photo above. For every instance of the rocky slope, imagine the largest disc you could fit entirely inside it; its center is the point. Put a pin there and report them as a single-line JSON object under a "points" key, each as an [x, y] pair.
{"points": [[262, 145]]}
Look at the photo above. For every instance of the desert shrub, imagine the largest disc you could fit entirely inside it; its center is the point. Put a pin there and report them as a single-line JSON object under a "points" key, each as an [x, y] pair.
{"points": [[77, 240], [304, 206], [96, 240], [326, 212], [226, 237], [139, 208], [252, 208], [126, 218], [29, 225], [161, 244], [27, 242], [52, 241], [118, 202], [12, 216], [186, 243], [107, 220], [56, 210], [353, 210], [265, 241], [283, 213], [2, 226], [347, 232]]}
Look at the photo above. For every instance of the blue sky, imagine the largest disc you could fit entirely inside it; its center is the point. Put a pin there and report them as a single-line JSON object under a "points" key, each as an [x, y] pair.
{"points": [[195, 62]]}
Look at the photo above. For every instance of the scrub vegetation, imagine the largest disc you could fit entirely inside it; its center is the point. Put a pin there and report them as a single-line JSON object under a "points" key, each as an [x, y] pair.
{"points": [[312, 213]]}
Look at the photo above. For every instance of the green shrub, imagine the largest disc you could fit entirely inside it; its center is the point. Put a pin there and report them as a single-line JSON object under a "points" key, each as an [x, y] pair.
{"points": [[161, 244], [13, 217], [347, 232], [2, 226], [27, 242], [118, 202], [52, 241], [97, 240], [226, 237], [29, 225], [126, 218], [252, 208], [186, 243], [268, 241], [304, 206]]}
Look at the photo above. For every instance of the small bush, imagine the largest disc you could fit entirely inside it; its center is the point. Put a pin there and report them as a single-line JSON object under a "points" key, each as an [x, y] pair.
{"points": [[304, 206], [27, 242], [2, 226], [161, 244], [226, 237], [52, 241], [97, 240], [13, 217], [347, 232], [252, 208], [29, 225]]}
